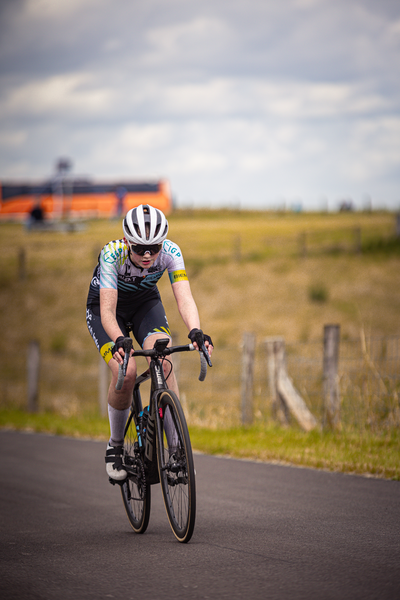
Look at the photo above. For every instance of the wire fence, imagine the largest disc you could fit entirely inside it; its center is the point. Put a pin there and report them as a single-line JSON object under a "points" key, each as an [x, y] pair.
{"points": [[368, 383], [368, 380]]}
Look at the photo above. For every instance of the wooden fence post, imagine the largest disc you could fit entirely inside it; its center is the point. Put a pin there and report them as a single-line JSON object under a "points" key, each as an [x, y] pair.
{"points": [[287, 397], [273, 355], [33, 363], [103, 387], [249, 346], [331, 377]]}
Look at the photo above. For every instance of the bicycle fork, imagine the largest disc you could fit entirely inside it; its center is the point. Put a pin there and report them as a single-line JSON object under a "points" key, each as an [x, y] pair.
{"points": [[159, 419]]}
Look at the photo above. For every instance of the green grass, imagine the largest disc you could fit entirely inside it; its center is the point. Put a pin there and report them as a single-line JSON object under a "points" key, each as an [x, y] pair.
{"points": [[366, 454], [82, 426], [248, 273]]}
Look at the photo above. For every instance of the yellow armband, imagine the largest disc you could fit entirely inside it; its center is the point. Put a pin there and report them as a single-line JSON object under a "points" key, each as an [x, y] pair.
{"points": [[176, 276]]}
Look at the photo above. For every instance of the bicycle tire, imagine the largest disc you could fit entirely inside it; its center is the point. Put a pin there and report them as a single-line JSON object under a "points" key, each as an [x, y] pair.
{"points": [[176, 467], [135, 492]]}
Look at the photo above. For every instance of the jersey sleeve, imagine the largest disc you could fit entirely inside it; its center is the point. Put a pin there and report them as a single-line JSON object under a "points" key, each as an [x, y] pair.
{"points": [[111, 258], [175, 264]]}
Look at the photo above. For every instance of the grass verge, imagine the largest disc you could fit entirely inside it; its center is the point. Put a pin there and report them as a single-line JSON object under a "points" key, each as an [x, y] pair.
{"points": [[362, 454], [82, 426], [347, 452]]}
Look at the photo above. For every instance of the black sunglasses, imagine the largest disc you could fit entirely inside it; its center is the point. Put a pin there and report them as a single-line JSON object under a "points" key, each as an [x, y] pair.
{"points": [[141, 249]]}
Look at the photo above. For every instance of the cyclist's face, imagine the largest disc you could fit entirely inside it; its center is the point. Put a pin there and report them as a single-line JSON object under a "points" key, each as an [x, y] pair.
{"points": [[145, 261]]}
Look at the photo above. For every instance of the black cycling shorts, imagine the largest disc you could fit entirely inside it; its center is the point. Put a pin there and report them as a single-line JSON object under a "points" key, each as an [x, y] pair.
{"points": [[148, 319]]}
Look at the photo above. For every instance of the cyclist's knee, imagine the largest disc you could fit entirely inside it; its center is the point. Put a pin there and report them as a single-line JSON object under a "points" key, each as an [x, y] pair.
{"points": [[129, 380], [170, 376], [167, 369], [130, 376]]}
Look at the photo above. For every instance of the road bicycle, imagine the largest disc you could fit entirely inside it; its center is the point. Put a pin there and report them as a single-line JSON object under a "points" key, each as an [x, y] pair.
{"points": [[157, 447]]}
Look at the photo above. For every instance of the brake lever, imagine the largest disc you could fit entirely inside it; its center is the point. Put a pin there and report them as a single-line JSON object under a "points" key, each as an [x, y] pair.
{"points": [[127, 346], [206, 354]]}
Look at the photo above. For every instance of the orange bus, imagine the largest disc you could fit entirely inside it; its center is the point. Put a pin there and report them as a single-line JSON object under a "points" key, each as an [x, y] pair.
{"points": [[77, 198]]}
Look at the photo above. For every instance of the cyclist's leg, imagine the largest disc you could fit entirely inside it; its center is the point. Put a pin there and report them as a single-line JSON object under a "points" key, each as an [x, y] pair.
{"points": [[118, 401], [121, 399]]}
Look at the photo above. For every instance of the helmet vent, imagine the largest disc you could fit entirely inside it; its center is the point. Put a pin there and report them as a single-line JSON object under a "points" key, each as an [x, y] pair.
{"points": [[145, 224]]}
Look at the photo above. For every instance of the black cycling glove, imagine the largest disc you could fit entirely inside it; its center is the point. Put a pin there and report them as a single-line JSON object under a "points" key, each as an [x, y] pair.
{"points": [[121, 343], [196, 335]]}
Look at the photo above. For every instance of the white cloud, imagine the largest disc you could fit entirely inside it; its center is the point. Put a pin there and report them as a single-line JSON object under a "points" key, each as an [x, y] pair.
{"points": [[13, 139], [59, 96], [167, 41], [394, 30], [56, 9], [227, 99], [375, 148]]}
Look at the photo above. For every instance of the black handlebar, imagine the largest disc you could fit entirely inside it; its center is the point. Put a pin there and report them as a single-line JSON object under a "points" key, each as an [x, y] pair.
{"points": [[161, 350]]}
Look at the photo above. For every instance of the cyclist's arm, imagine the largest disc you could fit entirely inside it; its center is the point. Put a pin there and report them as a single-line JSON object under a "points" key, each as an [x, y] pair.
{"points": [[108, 310], [187, 306]]}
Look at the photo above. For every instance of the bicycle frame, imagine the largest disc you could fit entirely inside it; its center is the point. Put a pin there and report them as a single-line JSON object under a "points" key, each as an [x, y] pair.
{"points": [[155, 372]]}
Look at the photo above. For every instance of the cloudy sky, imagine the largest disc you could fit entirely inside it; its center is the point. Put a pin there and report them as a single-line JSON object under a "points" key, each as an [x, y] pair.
{"points": [[250, 103]]}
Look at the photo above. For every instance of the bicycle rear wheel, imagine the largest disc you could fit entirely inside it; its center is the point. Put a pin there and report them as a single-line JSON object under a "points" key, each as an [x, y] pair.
{"points": [[176, 467], [136, 494]]}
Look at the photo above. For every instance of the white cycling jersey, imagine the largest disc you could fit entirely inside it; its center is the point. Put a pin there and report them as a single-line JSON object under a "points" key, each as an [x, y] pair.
{"points": [[115, 270]]}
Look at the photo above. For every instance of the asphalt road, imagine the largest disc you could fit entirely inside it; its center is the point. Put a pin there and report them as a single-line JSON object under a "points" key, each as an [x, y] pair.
{"points": [[262, 531]]}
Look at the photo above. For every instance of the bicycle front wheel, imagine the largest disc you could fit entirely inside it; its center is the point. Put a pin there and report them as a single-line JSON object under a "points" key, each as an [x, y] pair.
{"points": [[176, 468], [135, 493]]}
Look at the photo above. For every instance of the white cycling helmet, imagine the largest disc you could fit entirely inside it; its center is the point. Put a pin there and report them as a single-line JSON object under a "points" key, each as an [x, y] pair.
{"points": [[145, 225]]}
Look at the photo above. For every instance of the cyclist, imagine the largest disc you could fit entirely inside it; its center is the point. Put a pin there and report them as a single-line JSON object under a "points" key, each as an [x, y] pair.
{"points": [[124, 290]]}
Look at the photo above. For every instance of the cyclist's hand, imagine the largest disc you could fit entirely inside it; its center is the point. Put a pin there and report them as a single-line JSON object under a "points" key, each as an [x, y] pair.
{"points": [[208, 344], [118, 350], [198, 338]]}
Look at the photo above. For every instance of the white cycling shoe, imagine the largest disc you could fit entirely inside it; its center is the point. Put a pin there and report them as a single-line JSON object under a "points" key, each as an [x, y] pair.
{"points": [[114, 466]]}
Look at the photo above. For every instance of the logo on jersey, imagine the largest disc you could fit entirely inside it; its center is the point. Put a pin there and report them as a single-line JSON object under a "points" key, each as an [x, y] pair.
{"points": [[111, 256], [106, 351], [178, 276], [171, 248], [144, 282]]}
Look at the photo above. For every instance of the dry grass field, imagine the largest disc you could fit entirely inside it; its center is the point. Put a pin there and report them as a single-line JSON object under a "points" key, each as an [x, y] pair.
{"points": [[249, 271]]}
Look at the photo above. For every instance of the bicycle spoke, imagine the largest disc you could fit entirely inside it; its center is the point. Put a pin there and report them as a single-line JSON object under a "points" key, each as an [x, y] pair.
{"points": [[135, 492], [176, 468]]}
